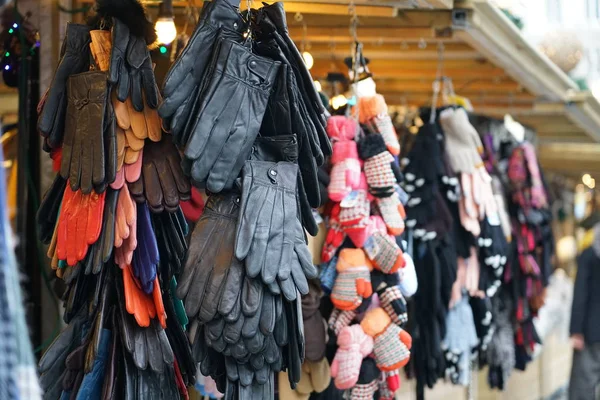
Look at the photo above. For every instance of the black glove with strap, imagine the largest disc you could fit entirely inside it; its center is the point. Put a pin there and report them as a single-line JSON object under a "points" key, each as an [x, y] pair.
{"points": [[231, 113], [131, 68], [75, 60], [183, 81]]}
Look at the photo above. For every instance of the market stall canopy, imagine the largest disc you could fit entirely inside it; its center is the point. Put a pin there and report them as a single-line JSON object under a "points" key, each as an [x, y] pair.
{"points": [[483, 52]]}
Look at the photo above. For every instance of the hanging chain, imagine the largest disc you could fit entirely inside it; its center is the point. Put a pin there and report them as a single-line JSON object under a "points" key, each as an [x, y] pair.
{"points": [[356, 52], [437, 83]]}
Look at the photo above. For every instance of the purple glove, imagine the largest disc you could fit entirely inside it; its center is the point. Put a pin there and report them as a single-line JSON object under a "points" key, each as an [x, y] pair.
{"points": [[145, 256]]}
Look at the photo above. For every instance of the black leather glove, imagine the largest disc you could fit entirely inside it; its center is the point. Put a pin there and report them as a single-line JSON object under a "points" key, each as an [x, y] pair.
{"points": [[275, 16], [47, 214], [310, 154], [131, 68], [269, 236], [76, 58], [162, 182], [171, 230], [83, 161], [285, 148], [211, 280], [182, 83], [52, 363], [265, 233], [149, 347], [231, 113]]}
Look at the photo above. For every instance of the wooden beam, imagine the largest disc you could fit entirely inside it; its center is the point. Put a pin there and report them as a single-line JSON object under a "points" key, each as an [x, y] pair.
{"points": [[484, 73], [424, 98], [391, 52], [365, 34]]}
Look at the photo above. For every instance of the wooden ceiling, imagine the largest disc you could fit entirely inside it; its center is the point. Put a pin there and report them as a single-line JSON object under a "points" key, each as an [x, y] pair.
{"points": [[486, 57]]}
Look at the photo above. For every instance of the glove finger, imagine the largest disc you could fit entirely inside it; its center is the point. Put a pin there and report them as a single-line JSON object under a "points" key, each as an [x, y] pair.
{"points": [[153, 123], [252, 294], [131, 156], [254, 199], [121, 113], [232, 290], [275, 241], [123, 82], [257, 256], [149, 88]]}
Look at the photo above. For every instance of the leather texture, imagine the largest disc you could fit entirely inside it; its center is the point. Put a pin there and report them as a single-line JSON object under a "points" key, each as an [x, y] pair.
{"points": [[162, 183], [83, 153], [184, 79], [74, 60], [131, 68], [239, 86]]}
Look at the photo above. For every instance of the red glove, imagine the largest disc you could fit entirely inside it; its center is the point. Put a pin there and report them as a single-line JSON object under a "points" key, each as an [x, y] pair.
{"points": [[335, 235], [79, 224], [193, 208]]}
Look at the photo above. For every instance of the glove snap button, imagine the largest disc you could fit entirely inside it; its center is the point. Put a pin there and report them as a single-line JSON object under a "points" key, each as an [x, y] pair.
{"points": [[253, 63], [237, 200], [235, 25], [273, 172]]}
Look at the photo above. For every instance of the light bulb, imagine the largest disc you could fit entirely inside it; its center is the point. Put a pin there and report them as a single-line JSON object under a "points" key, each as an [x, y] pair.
{"points": [[165, 30], [308, 59], [338, 101], [318, 86]]}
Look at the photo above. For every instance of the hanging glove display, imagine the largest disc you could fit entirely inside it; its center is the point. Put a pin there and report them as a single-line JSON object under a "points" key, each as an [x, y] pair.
{"points": [[131, 68], [120, 339], [162, 183], [217, 146], [381, 170], [75, 59]]}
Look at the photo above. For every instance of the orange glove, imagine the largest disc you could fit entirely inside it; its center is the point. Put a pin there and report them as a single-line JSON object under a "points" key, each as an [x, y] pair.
{"points": [[158, 304], [392, 343], [79, 224], [137, 303], [353, 282]]}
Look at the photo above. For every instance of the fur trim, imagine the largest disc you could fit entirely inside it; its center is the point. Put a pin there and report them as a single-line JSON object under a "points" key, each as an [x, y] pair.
{"points": [[131, 12], [371, 145]]}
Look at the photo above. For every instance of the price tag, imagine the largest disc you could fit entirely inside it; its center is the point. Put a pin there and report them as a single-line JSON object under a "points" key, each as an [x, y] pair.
{"points": [[350, 200]]}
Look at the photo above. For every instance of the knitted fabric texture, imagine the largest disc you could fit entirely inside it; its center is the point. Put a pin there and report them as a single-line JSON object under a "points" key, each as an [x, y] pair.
{"points": [[351, 285], [364, 391], [394, 304], [390, 352], [353, 345], [384, 253], [393, 214], [378, 171], [339, 319], [360, 209]]}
